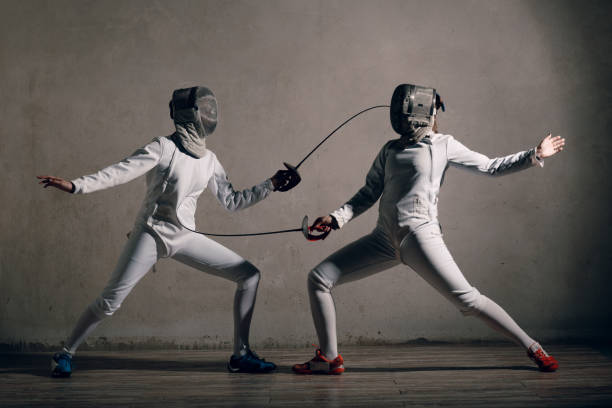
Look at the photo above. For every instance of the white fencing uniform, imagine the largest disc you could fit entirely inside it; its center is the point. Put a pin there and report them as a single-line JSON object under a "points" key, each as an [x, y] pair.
{"points": [[408, 177], [175, 180]]}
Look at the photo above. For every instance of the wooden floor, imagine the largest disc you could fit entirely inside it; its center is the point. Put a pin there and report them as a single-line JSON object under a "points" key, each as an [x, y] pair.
{"points": [[382, 376]]}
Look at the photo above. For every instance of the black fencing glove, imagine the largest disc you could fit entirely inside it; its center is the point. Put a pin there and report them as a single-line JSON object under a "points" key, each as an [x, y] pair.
{"points": [[285, 180]]}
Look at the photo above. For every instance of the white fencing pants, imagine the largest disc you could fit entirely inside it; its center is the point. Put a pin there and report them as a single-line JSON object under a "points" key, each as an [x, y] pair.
{"points": [[141, 253], [425, 252]]}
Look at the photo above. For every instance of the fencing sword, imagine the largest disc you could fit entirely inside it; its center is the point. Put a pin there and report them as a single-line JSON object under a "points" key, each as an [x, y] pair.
{"points": [[307, 231], [304, 229], [294, 169]]}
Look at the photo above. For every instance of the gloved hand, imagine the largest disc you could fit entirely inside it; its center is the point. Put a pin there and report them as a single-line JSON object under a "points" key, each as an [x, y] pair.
{"points": [[325, 223], [285, 180], [440, 103]]}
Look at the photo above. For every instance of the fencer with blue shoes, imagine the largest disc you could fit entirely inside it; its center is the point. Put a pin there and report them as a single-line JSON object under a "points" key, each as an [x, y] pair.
{"points": [[61, 365], [249, 362]]}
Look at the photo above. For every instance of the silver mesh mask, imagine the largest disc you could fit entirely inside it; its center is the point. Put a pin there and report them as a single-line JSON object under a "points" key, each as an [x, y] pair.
{"points": [[412, 112]]}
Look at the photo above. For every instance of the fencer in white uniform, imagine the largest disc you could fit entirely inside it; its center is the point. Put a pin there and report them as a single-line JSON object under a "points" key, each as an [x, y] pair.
{"points": [[406, 175], [178, 169]]}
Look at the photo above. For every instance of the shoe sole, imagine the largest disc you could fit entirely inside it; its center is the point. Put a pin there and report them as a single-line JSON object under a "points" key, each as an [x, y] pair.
{"points": [[239, 370], [332, 372], [543, 368], [59, 374]]}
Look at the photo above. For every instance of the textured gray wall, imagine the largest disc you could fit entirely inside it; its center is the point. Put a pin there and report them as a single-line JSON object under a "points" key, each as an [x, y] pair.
{"points": [[84, 83]]}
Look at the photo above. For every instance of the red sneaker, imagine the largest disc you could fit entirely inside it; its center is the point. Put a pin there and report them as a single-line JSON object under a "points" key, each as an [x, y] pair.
{"points": [[541, 358], [321, 365]]}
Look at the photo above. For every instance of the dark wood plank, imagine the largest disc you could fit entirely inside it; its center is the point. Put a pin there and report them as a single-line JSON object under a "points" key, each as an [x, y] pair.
{"points": [[390, 376]]}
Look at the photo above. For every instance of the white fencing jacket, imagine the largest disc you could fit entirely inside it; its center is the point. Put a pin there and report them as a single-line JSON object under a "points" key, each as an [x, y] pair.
{"points": [[409, 178], [175, 180]]}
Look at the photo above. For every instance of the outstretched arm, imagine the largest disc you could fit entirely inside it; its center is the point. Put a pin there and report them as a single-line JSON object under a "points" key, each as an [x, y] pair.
{"points": [[460, 155], [133, 166], [233, 200]]}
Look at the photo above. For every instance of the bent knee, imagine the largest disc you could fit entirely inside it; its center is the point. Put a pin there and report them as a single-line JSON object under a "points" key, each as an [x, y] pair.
{"points": [[249, 276], [103, 307], [470, 302], [318, 281]]}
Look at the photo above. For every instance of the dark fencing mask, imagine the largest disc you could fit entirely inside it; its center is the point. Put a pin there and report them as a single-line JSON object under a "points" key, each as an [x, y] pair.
{"points": [[194, 111], [413, 110]]}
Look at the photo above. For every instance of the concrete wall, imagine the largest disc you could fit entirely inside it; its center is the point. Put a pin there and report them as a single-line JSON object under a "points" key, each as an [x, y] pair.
{"points": [[84, 83]]}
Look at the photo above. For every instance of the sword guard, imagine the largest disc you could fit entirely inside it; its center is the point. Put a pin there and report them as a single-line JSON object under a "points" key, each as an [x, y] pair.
{"points": [[293, 179], [312, 237], [308, 231]]}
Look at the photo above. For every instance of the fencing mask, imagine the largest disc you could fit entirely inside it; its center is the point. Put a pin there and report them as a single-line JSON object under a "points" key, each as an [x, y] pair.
{"points": [[194, 111], [413, 110]]}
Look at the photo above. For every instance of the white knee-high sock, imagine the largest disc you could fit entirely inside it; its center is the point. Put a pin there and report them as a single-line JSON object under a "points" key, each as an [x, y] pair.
{"points": [[324, 316], [497, 318], [84, 326]]}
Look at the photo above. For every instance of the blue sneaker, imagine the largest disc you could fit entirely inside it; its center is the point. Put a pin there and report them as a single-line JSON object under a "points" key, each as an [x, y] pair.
{"points": [[249, 363], [61, 365]]}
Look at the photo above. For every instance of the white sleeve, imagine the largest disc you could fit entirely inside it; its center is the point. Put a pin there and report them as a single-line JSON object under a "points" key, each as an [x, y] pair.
{"points": [[460, 155], [367, 195], [133, 166], [231, 199]]}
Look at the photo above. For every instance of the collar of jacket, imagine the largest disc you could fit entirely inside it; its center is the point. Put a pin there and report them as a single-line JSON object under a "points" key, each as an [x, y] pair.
{"points": [[406, 143], [426, 139], [189, 138]]}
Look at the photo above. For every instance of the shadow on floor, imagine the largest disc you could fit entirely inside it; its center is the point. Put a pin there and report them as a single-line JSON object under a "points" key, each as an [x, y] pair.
{"points": [[434, 368], [39, 365]]}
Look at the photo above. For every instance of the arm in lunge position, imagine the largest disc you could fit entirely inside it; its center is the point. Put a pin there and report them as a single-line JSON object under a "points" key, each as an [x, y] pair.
{"points": [[233, 200], [457, 154], [365, 198], [460, 155], [133, 166], [144, 159]]}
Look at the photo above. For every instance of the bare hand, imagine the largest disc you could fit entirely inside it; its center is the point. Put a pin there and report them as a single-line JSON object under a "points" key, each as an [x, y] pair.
{"points": [[56, 182], [550, 146]]}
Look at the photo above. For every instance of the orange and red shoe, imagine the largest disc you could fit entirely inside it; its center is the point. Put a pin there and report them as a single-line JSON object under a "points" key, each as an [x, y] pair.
{"points": [[321, 365], [544, 361]]}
